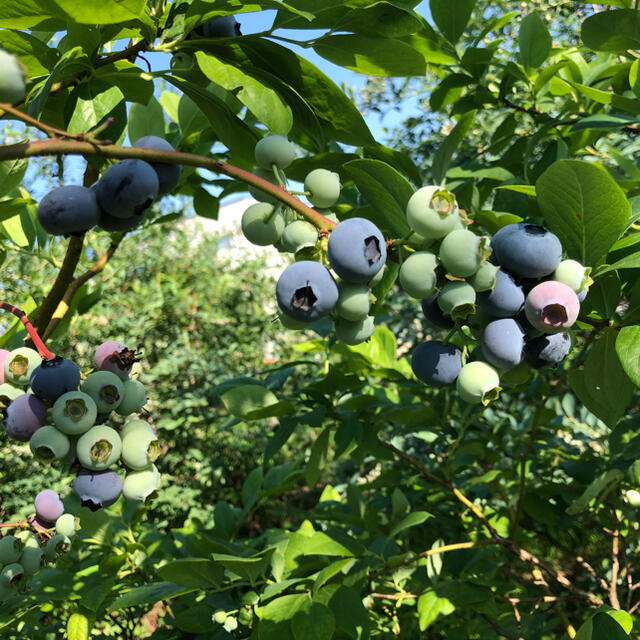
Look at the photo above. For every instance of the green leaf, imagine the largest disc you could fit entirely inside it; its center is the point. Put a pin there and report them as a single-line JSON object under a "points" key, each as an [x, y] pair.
{"points": [[149, 594], [628, 350], [584, 207], [534, 41], [632, 261], [380, 349], [430, 606], [103, 12], [442, 157], [78, 627], [135, 84], [251, 488], [451, 19], [384, 189], [602, 385], [617, 30], [372, 56], [607, 97], [240, 401], [145, 120], [249, 568], [34, 54], [315, 622], [412, 520], [27, 14], [11, 174], [318, 457], [205, 204], [275, 617], [598, 490], [605, 627], [96, 100], [352, 619], [196, 572], [265, 103]]}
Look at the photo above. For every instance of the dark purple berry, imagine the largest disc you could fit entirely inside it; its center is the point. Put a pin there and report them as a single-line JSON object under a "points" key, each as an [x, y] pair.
{"points": [[24, 416], [97, 489]]}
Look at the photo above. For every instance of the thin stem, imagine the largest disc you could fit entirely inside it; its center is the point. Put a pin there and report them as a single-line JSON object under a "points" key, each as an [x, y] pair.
{"points": [[45, 128], [615, 565], [37, 341], [78, 147], [19, 523]]}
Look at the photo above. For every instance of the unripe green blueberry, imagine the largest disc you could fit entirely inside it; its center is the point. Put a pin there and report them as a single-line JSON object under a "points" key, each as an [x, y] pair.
{"points": [[323, 187], [245, 616], [377, 279], [67, 525], [181, 60], [484, 279], [432, 212], [353, 333], [269, 176], [74, 412], [136, 425], [457, 299], [8, 392], [56, 546], [139, 449], [12, 87], [462, 252], [262, 224], [32, 560], [230, 624], [250, 598], [106, 389], [19, 365], [47, 443], [134, 397], [353, 301], [298, 235], [142, 485], [632, 497], [99, 448], [274, 149], [417, 274], [219, 616], [633, 473], [573, 274], [292, 323], [478, 382], [12, 574], [28, 539], [10, 549]]}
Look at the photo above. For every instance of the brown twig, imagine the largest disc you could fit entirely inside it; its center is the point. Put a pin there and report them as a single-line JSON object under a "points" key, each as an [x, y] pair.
{"points": [[52, 132], [615, 566]]}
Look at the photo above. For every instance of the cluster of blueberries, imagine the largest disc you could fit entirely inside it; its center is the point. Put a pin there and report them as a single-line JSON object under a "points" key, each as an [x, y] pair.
{"points": [[65, 418], [47, 535], [513, 292]]}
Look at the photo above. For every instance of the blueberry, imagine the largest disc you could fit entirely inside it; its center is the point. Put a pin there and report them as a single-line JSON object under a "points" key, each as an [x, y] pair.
{"points": [[32, 560], [478, 382], [484, 279], [274, 149], [436, 363], [462, 252], [548, 350], [323, 187], [552, 306], [47, 443], [299, 234], [12, 574], [527, 250], [574, 275], [115, 357], [112, 224], [139, 449], [19, 365], [505, 300], [353, 333], [142, 485], [503, 343], [224, 27], [3, 356], [8, 393], [97, 489], [54, 377], [134, 397], [432, 212], [10, 549], [417, 274], [136, 424], [12, 87], [168, 173], [434, 314], [356, 250], [290, 323], [266, 174], [74, 412], [67, 525], [106, 389], [68, 210], [262, 224], [353, 301], [48, 505], [306, 291], [457, 299], [24, 416], [127, 188], [56, 546], [181, 60], [99, 448]]}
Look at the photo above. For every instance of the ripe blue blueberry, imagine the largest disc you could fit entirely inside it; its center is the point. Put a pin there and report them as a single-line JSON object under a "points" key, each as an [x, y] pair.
{"points": [[503, 343], [436, 363], [97, 489], [127, 188], [168, 174], [24, 416], [224, 27], [68, 210], [54, 377], [306, 291], [434, 314], [356, 250], [527, 250], [506, 298], [548, 350]]}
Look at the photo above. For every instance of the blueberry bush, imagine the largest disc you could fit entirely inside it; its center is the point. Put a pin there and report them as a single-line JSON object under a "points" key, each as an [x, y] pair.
{"points": [[424, 425]]}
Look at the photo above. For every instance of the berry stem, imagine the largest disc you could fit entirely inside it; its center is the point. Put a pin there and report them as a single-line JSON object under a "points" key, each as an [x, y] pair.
{"points": [[18, 523], [37, 341]]}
